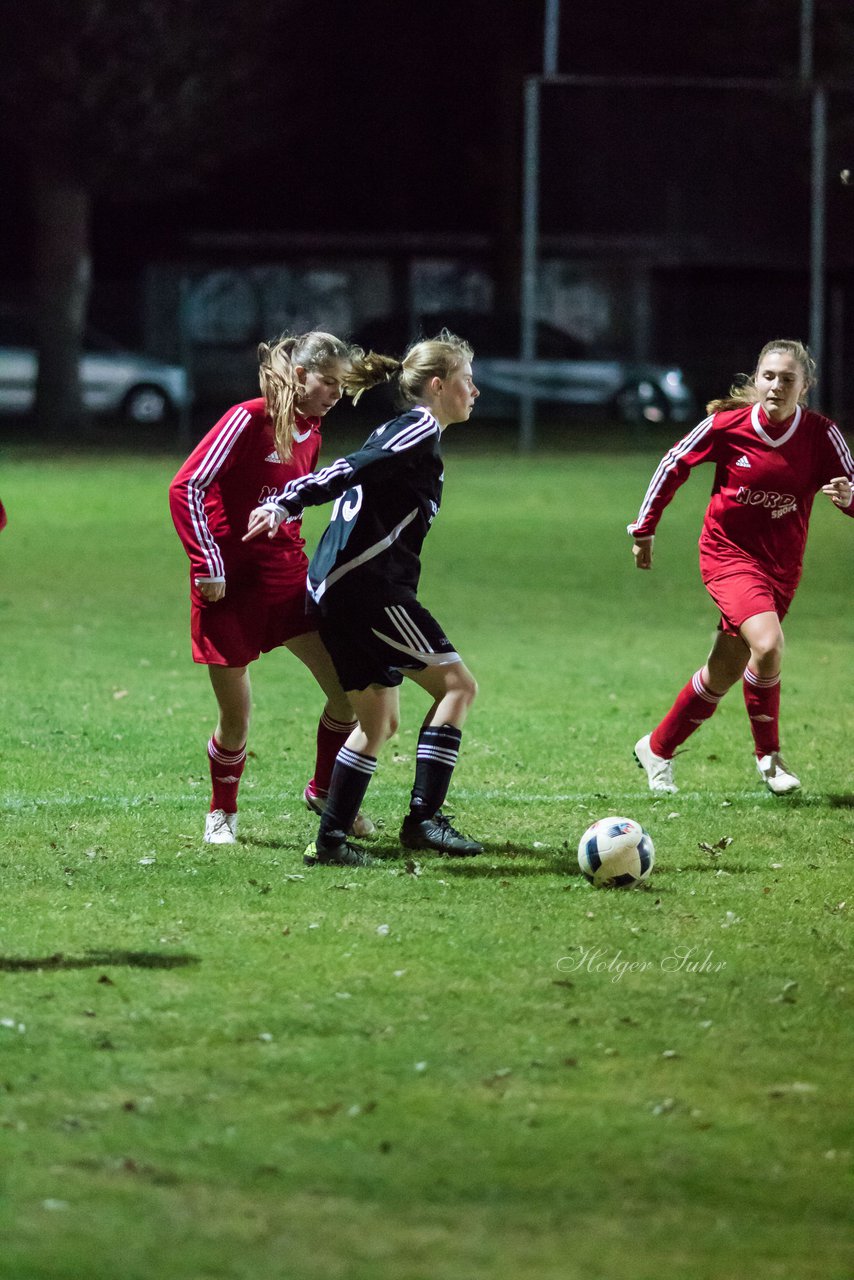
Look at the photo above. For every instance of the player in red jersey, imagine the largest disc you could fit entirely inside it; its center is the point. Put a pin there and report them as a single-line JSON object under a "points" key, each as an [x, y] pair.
{"points": [[2, 516], [247, 600], [771, 455]]}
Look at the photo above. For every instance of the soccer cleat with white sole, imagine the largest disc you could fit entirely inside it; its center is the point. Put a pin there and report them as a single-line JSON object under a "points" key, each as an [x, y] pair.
{"points": [[776, 774], [362, 825], [220, 827], [659, 772]]}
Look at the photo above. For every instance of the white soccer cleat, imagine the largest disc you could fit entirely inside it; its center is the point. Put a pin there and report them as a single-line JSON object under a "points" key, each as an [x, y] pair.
{"points": [[221, 827], [776, 774], [659, 772], [362, 825]]}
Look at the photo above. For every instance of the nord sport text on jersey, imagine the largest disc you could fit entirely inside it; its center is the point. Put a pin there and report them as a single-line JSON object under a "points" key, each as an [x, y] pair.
{"points": [[781, 502]]}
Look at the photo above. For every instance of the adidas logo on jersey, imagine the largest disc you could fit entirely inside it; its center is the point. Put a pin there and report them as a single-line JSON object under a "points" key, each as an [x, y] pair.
{"points": [[272, 457], [743, 461]]}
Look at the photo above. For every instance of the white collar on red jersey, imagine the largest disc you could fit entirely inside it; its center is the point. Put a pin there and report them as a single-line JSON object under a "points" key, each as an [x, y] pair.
{"points": [[756, 419], [301, 436]]}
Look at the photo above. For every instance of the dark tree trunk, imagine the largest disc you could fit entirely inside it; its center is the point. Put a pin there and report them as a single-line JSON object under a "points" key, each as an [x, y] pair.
{"points": [[63, 272]]}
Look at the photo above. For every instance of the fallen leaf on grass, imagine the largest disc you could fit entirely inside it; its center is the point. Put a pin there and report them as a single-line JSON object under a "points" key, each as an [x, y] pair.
{"points": [[716, 849], [497, 1077]]}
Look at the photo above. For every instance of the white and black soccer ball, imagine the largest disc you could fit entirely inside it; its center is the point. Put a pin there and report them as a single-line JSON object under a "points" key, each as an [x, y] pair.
{"points": [[616, 853]]}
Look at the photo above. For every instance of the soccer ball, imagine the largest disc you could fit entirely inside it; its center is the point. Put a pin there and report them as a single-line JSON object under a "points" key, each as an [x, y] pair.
{"points": [[616, 853]]}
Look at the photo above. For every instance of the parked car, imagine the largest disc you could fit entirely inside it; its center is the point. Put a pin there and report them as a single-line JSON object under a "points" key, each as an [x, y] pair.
{"points": [[563, 375], [136, 387]]}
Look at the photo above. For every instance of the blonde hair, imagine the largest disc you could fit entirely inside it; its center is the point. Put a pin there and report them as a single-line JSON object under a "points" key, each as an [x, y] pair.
{"points": [[428, 358], [744, 392], [280, 385]]}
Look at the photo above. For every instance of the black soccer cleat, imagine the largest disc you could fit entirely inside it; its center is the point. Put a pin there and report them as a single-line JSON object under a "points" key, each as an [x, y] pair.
{"points": [[437, 833], [343, 854]]}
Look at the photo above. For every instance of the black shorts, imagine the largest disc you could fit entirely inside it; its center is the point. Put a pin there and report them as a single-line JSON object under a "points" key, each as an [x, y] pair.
{"points": [[376, 643]]}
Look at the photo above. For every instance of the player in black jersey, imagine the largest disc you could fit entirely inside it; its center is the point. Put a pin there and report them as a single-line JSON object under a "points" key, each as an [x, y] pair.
{"points": [[363, 580]]}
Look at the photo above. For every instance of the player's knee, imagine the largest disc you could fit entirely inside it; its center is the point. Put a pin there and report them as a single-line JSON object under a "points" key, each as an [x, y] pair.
{"points": [[768, 645], [466, 688]]}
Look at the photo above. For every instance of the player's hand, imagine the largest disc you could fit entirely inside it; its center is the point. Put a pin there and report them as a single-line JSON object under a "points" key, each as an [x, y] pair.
{"points": [[210, 590], [642, 552], [264, 520], [839, 490]]}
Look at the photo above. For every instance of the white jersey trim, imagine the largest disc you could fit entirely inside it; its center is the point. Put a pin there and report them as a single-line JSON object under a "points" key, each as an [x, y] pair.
{"points": [[369, 553], [763, 434], [838, 441], [667, 463], [200, 481], [414, 433]]}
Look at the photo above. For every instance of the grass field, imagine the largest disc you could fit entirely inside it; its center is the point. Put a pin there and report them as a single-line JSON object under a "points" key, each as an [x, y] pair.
{"points": [[216, 1063]]}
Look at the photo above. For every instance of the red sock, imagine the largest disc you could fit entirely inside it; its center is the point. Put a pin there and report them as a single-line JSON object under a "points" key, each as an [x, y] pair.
{"points": [[762, 699], [694, 704], [331, 736], [226, 771]]}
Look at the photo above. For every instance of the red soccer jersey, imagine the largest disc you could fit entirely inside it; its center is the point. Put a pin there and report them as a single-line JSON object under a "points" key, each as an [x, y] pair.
{"points": [[766, 476], [2, 516], [230, 472]]}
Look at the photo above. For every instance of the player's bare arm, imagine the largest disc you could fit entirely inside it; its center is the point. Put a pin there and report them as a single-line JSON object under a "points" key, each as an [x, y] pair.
{"points": [[839, 490], [642, 552]]}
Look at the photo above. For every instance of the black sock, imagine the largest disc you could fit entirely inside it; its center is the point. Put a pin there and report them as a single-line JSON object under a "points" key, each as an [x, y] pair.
{"points": [[350, 778], [438, 749]]}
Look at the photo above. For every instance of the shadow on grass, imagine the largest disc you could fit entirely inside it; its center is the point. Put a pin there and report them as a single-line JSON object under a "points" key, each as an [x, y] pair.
{"points": [[816, 800], [97, 960], [712, 868], [477, 868]]}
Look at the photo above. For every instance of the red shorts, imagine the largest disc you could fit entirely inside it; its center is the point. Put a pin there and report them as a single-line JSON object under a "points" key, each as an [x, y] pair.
{"points": [[247, 622], [740, 592]]}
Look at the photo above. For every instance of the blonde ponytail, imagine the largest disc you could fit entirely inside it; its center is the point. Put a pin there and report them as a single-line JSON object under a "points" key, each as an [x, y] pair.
{"points": [[368, 370]]}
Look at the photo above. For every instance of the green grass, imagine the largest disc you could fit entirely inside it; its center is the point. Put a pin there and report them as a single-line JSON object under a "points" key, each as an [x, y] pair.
{"points": [[214, 1063]]}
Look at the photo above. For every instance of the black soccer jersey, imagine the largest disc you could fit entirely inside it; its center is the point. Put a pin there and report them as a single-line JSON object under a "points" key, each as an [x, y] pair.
{"points": [[386, 496]]}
